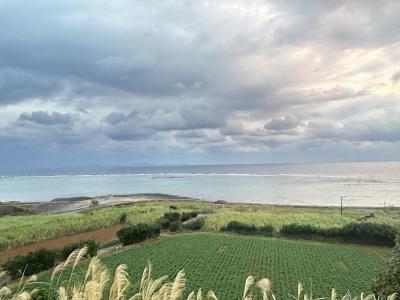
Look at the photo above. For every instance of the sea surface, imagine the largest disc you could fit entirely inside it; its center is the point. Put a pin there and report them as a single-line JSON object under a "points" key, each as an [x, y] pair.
{"points": [[360, 184]]}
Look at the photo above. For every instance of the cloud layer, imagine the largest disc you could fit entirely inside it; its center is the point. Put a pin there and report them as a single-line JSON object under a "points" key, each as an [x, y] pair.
{"points": [[148, 82]]}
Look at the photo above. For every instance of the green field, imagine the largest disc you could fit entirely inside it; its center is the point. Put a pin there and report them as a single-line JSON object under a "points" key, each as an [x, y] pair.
{"points": [[20, 230], [220, 262]]}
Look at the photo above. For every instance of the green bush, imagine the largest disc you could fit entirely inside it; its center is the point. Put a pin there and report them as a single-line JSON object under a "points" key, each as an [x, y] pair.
{"points": [[123, 217], [188, 215], [175, 226], [169, 218], [172, 216], [68, 249], [137, 233], [163, 223], [298, 229], [266, 229], [34, 262], [369, 233], [235, 226], [388, 281], [195, 224]]}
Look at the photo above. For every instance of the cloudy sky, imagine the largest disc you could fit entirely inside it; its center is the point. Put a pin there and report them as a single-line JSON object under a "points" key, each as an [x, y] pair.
{"points": [[130, 82]]}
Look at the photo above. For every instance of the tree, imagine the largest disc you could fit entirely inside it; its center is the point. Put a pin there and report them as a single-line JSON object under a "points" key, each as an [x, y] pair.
{"points": [[388, 281]]}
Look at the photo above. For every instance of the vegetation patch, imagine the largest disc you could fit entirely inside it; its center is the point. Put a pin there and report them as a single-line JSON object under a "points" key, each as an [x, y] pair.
{"points": [[137, 233], [21, 230], [91, 245], [368, 233], [388, 281], [221, 263], [7, 209], [35, 262], [194, 224], [237, 227]]}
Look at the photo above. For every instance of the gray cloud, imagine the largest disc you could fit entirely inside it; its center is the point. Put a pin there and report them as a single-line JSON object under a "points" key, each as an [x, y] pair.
{"points": [[282, 123], [115, 118], [46, 118], [396, 76]]}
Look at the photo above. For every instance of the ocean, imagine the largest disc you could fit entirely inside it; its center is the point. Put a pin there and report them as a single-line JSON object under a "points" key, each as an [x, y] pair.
{"points": [[360, 184]]}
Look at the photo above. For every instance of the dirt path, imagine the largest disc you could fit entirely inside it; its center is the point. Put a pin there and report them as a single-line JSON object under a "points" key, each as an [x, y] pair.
{"points": [[101, 236]]}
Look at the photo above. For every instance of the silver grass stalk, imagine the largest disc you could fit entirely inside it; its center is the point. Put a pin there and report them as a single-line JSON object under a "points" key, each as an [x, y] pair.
{"points": [[178, 285], [191, 296], [265, 286], [333, 294], [120, 283], [211, 295], [80, 254], [300, 289], [62, 294], [248, 284], [199, 295], [5, 292]]}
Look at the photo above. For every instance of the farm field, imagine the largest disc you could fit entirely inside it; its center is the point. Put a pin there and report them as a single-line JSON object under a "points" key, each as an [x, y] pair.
{"points": [[21, 230], [221, 262]]}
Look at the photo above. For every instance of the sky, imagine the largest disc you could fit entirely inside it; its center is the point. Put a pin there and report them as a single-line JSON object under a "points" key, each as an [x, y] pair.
{"points": [[130, 82]]}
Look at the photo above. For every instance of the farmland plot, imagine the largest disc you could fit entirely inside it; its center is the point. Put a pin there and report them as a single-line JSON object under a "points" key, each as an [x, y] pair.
{"points": [[221, 263]]}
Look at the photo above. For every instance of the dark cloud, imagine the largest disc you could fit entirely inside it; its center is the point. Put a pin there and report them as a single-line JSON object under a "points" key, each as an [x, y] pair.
{"points": [[17, 85], [396, 76], [186, 118], [282, 123], [115, 118], [46, 118]]}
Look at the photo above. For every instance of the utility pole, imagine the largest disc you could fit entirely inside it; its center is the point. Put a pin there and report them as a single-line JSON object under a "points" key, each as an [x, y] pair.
{"points": [[341, 205]]}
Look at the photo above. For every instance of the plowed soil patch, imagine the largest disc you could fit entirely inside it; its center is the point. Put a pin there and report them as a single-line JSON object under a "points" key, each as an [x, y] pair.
{"points": [[101, 236]]}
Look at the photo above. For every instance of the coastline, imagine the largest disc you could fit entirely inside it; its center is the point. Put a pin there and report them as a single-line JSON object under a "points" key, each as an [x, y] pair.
{"points": [[80, 203]]}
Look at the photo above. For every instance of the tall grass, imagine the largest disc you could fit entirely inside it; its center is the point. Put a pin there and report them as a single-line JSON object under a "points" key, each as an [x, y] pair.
{"points": [[98, 277], [20, 230]]}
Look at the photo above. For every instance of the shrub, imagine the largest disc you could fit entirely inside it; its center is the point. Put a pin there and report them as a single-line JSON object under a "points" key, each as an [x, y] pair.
{"points": [[235, 226], [388, 281], [195, 224], [185, 216], [188, 215], [34, 262], [297, 229], [172, 216], [123, 217], [91, 244], [137, 233], [163, 223], [371, 233], [175, 226], [173, 207], [267, 230]]}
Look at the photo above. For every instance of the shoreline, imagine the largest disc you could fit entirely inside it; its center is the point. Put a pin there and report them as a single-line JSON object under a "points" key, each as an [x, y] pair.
{"points": [[79, 203]]}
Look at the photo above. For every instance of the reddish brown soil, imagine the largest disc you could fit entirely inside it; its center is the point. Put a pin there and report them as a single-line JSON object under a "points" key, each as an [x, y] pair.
{"points": [[101, 236]]}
